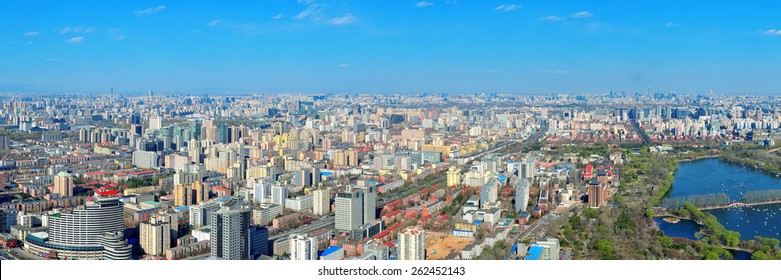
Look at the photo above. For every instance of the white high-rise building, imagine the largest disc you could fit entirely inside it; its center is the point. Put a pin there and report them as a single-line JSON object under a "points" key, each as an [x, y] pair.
{"points": [[199, 213], [349, 210], [321, 203], [521, 195], [302, 247], [261, 189], [412, 244], [279, 194], [155, 122]]}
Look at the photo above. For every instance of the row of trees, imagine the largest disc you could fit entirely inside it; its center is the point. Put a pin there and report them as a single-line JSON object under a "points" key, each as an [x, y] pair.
{"points": [[700, 200], [762, 196]]}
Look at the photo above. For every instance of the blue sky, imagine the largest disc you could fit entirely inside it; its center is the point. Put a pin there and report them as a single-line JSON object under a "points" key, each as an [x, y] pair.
{"points": [[391, 46]]}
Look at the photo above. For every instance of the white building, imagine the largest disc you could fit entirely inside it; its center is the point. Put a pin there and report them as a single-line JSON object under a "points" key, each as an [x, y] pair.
{"points": [[302, 247], [321, 201], [412, 244]]}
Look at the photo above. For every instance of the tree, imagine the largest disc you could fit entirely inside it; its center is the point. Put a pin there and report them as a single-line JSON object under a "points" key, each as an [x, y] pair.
{"points": [[712, 256]]}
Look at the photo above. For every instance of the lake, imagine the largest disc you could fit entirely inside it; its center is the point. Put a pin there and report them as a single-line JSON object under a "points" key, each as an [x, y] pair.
{"points": [[710, 176]]}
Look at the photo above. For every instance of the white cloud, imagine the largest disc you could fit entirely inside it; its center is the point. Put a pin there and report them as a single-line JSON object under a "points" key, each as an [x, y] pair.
{"points": [[772, 32], [345, 65], [552, 18], [214, 22], [77, 29], [312, 11], [75, 40], [347, 18], [671, 24], [508, 7], [279, 16], [150, 10], [52, 59], [118, 37], [423, 4], [31, 33], [582, 14]]}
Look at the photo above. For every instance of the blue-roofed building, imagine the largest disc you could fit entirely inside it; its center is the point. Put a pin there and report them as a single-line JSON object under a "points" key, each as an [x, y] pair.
{"points": [[535, 253], [332, 253]]}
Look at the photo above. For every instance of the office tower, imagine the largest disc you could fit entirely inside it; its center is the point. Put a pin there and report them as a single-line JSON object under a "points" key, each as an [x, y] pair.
{"points": [[321, 201], [411, 244], [279, 194], [145, 159], [550, 249], [155, 235], [230, 238], [453, 176], [261, 189], [349, 210], [521, 195], [369, 203], [135, 119], [258, 241], [155, 122], [63, 184], [302, 247], [199, 213]]}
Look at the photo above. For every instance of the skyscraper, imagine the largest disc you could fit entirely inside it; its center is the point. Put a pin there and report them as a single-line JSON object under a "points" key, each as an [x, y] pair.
{"points": [[369, 203], [349, 210], [199, 213], [261, 189], [302, 247], [411, 244], [230, 238]]}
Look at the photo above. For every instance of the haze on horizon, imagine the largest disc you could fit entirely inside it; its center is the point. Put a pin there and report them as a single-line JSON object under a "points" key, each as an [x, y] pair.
{"points": [[309, 46]]}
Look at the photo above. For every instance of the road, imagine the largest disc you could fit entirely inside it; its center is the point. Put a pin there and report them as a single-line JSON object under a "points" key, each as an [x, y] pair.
{"points": [[641, 132], [328, 221]]}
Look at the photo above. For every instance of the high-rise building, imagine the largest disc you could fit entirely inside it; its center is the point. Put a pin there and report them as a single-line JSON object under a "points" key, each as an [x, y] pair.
{"points": [[63, 184], [258, 241], [78, 233], [349, 210], [597, 194], [230, 238], [194, 193], [261, 189], [303, 177], [155, 122], [453, 176], [5, 143], [199, 213], [302, 247], [321, 201], [369, 203], [521, 195], [155, 235], [411, 244], [279, 194]]}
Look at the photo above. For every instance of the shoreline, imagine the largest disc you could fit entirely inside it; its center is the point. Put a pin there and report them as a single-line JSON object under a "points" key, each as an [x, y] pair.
{"points": [[698, 158]]}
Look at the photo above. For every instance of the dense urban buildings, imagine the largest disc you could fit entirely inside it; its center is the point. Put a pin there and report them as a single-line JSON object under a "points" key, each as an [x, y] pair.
{"points": [[347, 177]]}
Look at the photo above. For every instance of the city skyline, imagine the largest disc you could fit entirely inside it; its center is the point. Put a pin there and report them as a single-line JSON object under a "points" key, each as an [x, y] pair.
{"points": [[525, 47]]}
